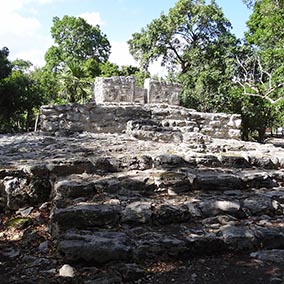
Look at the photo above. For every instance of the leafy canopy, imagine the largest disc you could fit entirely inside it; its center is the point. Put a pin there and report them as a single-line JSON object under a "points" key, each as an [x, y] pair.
{"points": [[76, 40], [186, 32]]}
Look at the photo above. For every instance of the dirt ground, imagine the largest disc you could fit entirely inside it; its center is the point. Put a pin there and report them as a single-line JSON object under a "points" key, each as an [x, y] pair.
{"points": [[227, 269]]}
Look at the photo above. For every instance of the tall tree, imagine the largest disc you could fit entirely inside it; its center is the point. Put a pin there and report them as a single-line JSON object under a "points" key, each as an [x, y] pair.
{"points": [[194, 40], [262, 70], [76, 40], [5, 64], [79, 50]]}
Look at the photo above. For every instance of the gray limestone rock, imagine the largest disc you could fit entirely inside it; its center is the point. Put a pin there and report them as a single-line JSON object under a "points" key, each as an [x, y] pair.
{"points": [[168, 160], [21, 190], [234, 160], [259, 205], [257, 179], [270, 237], [218, 181], [137, 213], [74, 188], [239, 238], [160, 246], [274, 255], [96, 247], [86, 215], [213, 207], [168, 214], [178, 182], [68, 167]]}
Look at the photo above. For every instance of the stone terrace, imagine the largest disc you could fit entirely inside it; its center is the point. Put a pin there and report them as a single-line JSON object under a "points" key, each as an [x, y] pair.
{"points": [[129, 185], [118, 202]]}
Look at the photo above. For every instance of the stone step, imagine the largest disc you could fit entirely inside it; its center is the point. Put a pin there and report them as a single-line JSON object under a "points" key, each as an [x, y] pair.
{"points": [[123, 163], [141, 245], [112, 213], [154, 182]]}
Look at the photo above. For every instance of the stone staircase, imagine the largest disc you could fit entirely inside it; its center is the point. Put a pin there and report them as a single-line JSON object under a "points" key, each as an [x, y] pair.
{"points": [[124, 203], [167, 209]]}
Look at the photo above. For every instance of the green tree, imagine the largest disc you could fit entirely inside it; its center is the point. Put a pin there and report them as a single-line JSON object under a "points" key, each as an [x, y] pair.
{"points": [[21, 95], [266, 31], [76, 40], [5, 64], [193, 40], [75, 58], [109, 69], [261, 70], [74, 83]]}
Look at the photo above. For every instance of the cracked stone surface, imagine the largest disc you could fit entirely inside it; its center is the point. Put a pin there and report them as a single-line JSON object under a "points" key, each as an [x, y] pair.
{"points": [[111, 200]]}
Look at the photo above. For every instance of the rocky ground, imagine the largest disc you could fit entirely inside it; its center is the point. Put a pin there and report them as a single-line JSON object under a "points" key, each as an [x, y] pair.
{"points": [[109, 208]]}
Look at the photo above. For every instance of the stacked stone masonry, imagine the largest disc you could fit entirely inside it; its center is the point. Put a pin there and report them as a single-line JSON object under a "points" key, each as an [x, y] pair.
{"points": [[124, 89], [160, 122]]}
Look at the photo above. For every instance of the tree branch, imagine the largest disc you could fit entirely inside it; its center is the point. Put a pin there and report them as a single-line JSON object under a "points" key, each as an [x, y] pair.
{"points": [[253, 78]]}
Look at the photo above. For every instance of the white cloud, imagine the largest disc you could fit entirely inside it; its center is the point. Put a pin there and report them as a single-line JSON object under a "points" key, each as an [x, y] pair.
{"points": [[21, 33], [157, 69], [120, 54], [93, 18]]}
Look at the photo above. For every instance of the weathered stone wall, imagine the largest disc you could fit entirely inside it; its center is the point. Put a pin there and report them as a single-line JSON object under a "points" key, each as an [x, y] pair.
{"points": [[108, 118], [124, 89], [114, 89], [162, 92], [113, 118]]}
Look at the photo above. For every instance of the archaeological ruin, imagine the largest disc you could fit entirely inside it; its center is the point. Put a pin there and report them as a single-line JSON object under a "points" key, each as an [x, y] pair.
{"points": [[134, 188], [117, 102]]}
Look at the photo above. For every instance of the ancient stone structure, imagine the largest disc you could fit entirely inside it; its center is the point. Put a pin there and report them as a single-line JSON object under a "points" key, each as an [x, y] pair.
{"points": [[124, 89], [162, 92], [117, 117], [118, 89], [105, 190], [108, 204]]}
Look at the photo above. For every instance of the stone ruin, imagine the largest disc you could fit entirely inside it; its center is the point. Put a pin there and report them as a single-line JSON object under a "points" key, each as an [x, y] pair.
{"points": [[119, 105], [124, 89], [138, 185]]}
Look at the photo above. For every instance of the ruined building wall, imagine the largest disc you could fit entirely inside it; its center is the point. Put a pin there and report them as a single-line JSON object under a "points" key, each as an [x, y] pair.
{"points": [[118, 101], [124, 89], [162, 92], [113, 118]]}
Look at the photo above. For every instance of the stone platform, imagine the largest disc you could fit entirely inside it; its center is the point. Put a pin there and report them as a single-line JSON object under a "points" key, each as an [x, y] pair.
{"points": [[120, 201]]}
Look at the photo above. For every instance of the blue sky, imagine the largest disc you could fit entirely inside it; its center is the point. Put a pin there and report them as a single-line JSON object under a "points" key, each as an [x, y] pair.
{"points": [[25, 24]]}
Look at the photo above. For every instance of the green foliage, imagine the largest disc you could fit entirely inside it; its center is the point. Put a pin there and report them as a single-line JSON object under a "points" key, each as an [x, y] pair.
{"points": [[188, 30], [194, 41], [267, 36], [21, 95], [76, 40], [109, 69], [5, 65], [74, 83], [262, 74], [76, 58]]}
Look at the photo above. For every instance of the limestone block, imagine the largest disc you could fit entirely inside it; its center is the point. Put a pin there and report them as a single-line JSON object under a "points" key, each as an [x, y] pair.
{"points": [[114, 89], [239, 238], [99, 247], [167, 214], [212, 208], [140, 95], [86, 215], [162, 92], [137, 213]]}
